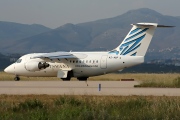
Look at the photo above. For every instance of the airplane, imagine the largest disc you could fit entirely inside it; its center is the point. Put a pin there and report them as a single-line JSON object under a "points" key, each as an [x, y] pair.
{"points": [[82, 65]]}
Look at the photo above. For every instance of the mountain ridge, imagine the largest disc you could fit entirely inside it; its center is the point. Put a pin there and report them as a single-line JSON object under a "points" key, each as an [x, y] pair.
{"points": [[11, 30], [104, 34]]}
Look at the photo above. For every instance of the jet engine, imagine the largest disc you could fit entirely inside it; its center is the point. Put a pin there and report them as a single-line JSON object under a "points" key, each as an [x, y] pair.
{"points": [[36, 66]]}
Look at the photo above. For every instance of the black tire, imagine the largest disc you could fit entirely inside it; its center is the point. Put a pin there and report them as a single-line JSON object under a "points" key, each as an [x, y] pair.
{"points": [[17, 78], [66, 79], [70, 74], [82, 78]]}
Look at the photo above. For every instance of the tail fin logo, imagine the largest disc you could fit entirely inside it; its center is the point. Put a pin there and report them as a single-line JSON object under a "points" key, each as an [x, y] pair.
{"points": [[133, 41], [137, 41]]}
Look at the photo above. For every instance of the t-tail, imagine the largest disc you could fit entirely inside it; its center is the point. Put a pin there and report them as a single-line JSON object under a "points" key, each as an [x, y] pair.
{"points": [[137, 40]]}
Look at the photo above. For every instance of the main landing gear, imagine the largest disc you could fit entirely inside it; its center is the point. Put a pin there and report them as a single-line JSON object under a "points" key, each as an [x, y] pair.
{"points": [[79, 78], [82, 78], [69, 75], [17, 78], [66, 79]]}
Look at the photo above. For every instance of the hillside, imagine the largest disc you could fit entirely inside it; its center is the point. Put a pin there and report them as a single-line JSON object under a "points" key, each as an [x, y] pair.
{"points": [[14, 31], [11, 32], [104, 34]]}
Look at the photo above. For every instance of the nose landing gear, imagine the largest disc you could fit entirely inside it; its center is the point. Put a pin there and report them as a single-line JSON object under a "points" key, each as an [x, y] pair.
{"points": [[17, 78]]}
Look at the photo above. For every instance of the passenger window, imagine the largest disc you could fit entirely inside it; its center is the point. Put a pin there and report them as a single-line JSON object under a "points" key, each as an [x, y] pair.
{"points": [[90, 61], [96, 61], [19, 61]]}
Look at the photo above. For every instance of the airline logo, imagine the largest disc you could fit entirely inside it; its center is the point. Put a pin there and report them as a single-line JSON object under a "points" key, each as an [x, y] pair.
{"points": [[133, 41]]}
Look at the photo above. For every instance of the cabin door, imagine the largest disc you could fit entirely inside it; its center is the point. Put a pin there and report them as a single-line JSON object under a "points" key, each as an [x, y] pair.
{"points": [[104, 62]]}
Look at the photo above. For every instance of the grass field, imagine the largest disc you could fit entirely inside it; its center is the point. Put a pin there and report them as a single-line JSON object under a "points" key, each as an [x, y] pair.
{"points": [[43, 107], [147, 80]]}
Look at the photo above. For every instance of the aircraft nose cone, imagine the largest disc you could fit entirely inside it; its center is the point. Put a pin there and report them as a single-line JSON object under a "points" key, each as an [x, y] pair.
{"points": [[5, 70], [9, 69]]}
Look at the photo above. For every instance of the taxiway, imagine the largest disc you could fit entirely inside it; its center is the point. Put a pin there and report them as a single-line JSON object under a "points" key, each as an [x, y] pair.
{"points": [[114, 88]]}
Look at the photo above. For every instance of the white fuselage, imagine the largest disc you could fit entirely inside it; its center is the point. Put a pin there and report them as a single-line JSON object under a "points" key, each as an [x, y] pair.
{"points": [[82, 65], [92, 64]]}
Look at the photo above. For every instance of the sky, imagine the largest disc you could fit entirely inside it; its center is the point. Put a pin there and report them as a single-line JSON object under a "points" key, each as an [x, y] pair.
{"points": [[55, 13]]}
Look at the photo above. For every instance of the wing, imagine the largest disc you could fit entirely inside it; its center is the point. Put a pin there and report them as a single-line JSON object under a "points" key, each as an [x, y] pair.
{"points": [[61, 55]]}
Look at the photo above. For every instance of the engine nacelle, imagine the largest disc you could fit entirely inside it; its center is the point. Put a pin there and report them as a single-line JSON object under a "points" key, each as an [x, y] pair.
{"points": [[36, 66]]}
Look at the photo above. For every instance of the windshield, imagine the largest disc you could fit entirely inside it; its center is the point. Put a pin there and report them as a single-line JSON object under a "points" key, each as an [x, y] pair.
{"points": [[19, 60]]}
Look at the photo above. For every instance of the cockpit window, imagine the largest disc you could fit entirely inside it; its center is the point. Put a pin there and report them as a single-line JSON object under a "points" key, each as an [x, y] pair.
{"points": [[19, 60]]}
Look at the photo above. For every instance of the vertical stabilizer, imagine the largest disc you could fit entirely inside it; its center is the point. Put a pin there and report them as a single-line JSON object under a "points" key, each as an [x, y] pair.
{"points": [[137, 40]]}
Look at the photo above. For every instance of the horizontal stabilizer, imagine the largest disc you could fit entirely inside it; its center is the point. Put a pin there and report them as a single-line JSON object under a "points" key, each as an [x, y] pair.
{"points": [[164, 26], [150, 24]]}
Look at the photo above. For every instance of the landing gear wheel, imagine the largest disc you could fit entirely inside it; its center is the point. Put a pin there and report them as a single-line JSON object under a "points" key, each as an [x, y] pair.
{"points": [[82, 78], [69, 75], [17, 78], [66, 79]]}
